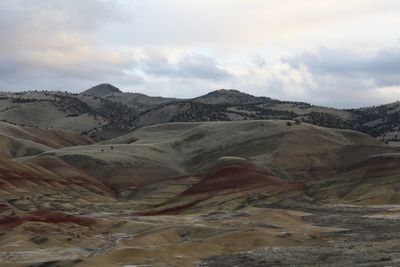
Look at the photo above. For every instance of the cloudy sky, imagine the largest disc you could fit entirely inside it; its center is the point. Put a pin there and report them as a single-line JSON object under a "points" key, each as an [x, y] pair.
{"points": [[342, 53]]}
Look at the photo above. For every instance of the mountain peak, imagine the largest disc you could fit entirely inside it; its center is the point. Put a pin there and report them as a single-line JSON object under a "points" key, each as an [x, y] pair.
{"points": [[231, 91], [102, 90], [227, 91], [227, 96]]}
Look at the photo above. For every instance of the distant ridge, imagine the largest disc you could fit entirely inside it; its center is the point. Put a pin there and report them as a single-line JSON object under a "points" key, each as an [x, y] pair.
{"points": [[105, 112], [102, 90]]}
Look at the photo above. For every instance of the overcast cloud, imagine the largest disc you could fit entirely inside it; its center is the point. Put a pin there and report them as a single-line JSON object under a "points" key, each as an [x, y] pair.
{"points": [[343, 53]]}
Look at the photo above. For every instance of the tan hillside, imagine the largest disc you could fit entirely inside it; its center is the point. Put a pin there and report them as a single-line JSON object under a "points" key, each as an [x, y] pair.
{"points": [[152, 158], [179, 194], [16, 141]]}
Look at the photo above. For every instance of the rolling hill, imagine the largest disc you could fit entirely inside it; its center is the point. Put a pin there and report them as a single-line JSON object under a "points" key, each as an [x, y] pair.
{"points": [[181, 194], [106, 178], [182, 164], [105, 112]]}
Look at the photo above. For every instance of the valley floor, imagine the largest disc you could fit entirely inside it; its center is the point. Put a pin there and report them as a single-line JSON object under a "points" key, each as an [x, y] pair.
{"points": [[366, 236], [262, 235]]}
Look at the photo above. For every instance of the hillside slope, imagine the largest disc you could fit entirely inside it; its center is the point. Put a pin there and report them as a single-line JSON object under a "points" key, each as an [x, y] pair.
{"points": [[16, 141], [46, 182], [192, 192], [180, 156], [105, 112]]}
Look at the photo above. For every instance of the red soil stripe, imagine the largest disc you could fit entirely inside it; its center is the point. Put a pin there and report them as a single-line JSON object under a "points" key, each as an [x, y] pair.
{"points": [[54, 217], [168, 211], [240, 177]]}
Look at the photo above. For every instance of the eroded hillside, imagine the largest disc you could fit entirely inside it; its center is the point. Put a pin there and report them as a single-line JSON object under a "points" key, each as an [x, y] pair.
{"points": [[184, 194]]}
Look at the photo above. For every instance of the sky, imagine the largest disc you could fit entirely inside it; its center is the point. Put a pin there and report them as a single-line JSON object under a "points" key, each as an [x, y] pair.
{"points": [[340, 53]]}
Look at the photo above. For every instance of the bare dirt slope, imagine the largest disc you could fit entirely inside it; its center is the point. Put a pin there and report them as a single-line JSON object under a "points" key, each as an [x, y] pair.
{"points": [[200, 194], [26, 186], [145, 161], [16, 141]]}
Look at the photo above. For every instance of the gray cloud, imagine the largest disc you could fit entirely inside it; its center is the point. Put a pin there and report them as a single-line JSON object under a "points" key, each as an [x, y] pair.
{"points": [[383, 66], [47, 14], [190, 66], [343, 77], [205, 45], [51, 44]]}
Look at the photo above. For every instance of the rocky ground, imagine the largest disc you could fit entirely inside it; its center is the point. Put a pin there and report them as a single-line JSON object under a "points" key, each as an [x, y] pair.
{"points": [[369, 237], [194, 194], [260, 235]]}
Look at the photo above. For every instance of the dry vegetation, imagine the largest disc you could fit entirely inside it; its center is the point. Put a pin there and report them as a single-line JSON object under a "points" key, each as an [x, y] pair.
{"points": [[105, 112]]}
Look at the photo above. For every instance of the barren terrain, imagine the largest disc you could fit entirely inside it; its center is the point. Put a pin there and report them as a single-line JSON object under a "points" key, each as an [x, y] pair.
{"points": [[248, 193]]}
